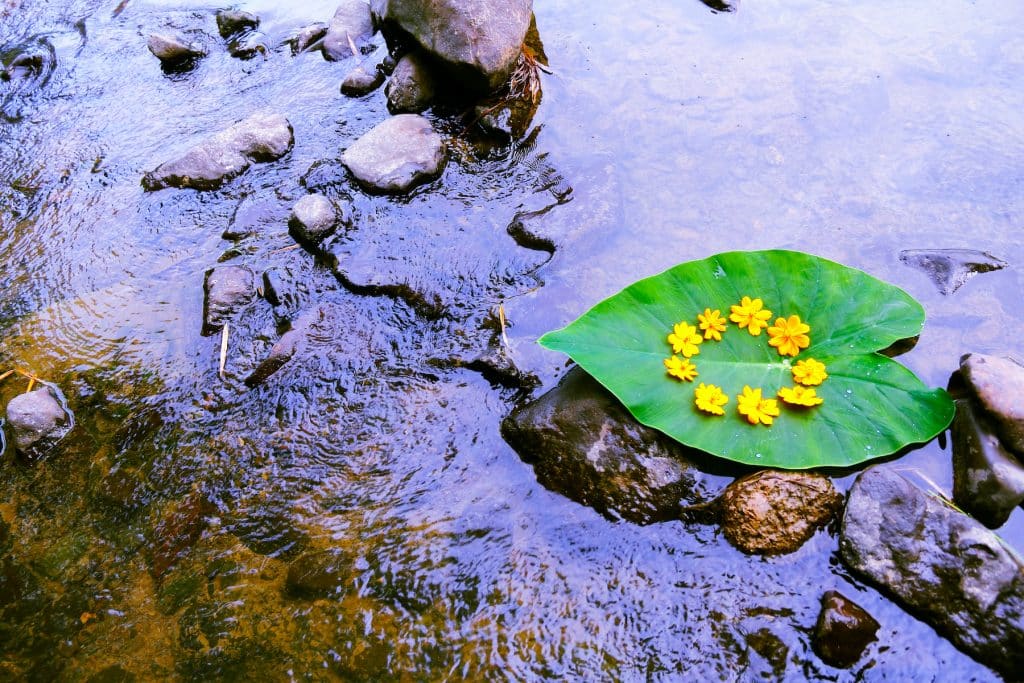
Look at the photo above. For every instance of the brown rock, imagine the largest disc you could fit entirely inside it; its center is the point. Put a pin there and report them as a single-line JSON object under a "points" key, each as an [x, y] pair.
{"points": [[843, 632]]}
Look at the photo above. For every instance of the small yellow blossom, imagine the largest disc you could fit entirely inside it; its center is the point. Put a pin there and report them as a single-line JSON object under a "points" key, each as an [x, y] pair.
{"points": [[755, 408], [684, 339], [800, 396], [789, 335], [712, 323], [681, 368], [750, 314], [710, 398], [809, 372]]}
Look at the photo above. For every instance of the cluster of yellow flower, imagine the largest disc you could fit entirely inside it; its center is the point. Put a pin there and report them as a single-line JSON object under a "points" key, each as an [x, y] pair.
{"points": [[789, 336]]}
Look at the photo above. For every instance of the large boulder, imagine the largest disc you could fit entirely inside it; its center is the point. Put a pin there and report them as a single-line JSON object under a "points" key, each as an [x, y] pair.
{"points": [[584, 444], [38, 419], [480, 39], [396, 155], [351, 24], [260, 137], [940, 564]]}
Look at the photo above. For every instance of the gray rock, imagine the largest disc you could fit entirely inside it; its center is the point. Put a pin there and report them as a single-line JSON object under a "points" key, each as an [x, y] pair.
{"points": [[938, 563], [773, 512], [950, 269], [411, 86], [231, 22], [843, 631], [361, 80], [290, 343], [396, 155], [998, 383], [353, 22], [173, 50], [38, 419], [307, 37], [584, 444], [261, 137], [227, 288], [314, 217], [480, 39], [988, 482]]}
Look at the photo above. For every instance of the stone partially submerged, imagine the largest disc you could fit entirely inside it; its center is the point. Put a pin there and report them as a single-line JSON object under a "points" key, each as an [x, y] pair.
{"points": [[396, 155], [261, 137], [173, 50], [38, 419], [351, 24], [227, 288]]}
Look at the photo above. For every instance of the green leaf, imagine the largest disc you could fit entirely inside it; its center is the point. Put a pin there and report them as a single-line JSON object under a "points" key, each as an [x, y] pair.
{"points": [[873, 406]]}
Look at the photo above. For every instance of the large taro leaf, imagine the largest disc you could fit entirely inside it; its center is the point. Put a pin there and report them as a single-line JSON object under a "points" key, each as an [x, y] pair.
{"points": [[873, 406]]}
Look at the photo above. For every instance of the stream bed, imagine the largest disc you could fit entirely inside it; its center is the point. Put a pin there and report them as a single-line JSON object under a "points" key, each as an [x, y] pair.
{"points": [[164, 537]]}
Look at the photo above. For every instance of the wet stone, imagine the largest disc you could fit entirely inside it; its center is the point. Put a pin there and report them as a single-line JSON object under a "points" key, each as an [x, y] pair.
{"points": [[585, 445], [362, 80], [325, 176], [498, 368], [843, 631], [231, 22], [350, 25], [290, 343], [172, 49], [227, 288], [998, 383], [248, 46], [938, 563], [255, 215], [314, 217], [38, 420], [950, 269], [411, 87], [774, 512], [988, 481], [307, 37], [396, 155], [319, 574]]}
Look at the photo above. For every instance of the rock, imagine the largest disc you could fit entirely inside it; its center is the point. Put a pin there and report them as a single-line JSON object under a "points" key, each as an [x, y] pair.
{"points": [[248, 45], [314, 217], [325, 176], [173, 50], [176, 533], [988, 482], [291, 342], [319, 574], [38, 420], [261, 137], [227, 288], [307, 37], [122, 489], [998, 383], [411, 86], [254, 215], [480, 39], [938, 563], [362, 80], [773, 512], [231, 22], [396, 155], [950, 269], [584, 444], [351, 24], [844, 630], [498, 368]]}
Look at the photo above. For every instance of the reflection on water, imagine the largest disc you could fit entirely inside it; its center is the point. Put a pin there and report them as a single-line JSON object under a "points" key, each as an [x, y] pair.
{"points": [[168, 536]]}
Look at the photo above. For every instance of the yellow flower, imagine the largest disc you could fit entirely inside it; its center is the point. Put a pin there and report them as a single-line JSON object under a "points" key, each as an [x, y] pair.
{"points": [[712, 323], [710, 398], [789, 336], [800, 396], [809, 372], [756, 409], [750, 314], [684, 339], [681, 368]]}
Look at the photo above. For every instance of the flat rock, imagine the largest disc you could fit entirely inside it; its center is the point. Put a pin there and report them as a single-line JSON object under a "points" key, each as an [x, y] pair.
{"points": [[585, 445], [314, 217], [950, 269], [176, 532], [351, 24], [843, 631], [231, 22], [227, 289], [998, 383], [988, 481], [938, 563], [480, 39], [411, 86], [38, 419], [172, 49], [396, 155], [260, 137]]}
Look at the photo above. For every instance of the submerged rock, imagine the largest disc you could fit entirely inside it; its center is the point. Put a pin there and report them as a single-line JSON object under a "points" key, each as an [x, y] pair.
{"points": [[396, 155], [291, 342], [997, 384], [950, 269], [351, 24], [260, 137], [843, 631], [173, 50], [231, 22], [988, 481], [177, 531], [584, 444], [255, 215], [227, 288], [411, 86], [480, 39], [940, 564], [38, 420], [319, 574], [773, 512]]}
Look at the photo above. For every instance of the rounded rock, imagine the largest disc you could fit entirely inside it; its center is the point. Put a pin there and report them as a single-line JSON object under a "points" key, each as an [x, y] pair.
{"points": [[314, 217], [843, 631], [396, 155], [37, 419]]}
